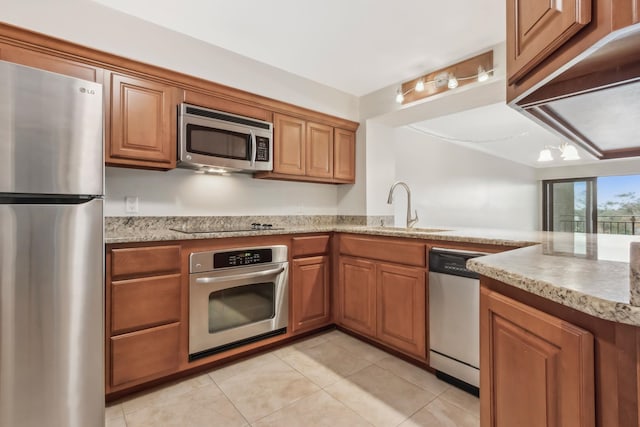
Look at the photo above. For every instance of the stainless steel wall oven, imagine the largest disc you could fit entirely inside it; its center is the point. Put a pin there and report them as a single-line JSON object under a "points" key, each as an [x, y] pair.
{"points": [[236, 296]]}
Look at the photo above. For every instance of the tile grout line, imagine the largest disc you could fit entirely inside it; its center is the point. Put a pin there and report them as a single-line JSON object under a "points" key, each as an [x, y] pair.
{"points": [[266, 415], [229, 399]]}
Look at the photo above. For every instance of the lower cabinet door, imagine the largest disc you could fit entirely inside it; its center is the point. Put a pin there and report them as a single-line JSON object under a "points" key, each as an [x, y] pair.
{"points": [[145, 354], [357, 295], [401, 310], [535, 370], [310, 293]]}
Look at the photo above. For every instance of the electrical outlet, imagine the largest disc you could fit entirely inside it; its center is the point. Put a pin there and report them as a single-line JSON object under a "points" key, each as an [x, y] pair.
{"points": [[131, 204]]}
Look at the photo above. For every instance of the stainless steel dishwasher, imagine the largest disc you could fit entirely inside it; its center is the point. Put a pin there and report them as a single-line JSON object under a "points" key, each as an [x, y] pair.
{"points": [[454, 315]]}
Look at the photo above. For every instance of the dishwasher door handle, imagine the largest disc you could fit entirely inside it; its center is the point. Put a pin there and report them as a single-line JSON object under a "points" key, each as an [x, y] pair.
{"points": [[242, 276]]}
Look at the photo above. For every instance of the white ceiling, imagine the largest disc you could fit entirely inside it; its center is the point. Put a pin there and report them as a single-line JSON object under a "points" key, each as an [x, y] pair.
{"points": [[501, 131], [360, 46], [357, 46]]}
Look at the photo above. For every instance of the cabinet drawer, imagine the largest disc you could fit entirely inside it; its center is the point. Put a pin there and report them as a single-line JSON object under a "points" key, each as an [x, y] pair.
{"points": [[309, 245], [144, 354], [398, 251], [145, 302], [145, 261]]}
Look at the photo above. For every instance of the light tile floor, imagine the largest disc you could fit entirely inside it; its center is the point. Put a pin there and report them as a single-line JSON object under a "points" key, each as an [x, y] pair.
{"points": [[330, 379]]}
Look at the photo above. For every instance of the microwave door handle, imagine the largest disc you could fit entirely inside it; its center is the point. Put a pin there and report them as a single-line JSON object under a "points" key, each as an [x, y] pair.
{"points": [[254, 149], [240, 276]]}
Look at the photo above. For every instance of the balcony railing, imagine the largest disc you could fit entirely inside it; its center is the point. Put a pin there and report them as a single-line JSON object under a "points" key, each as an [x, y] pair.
{"points": [[607, 224]]}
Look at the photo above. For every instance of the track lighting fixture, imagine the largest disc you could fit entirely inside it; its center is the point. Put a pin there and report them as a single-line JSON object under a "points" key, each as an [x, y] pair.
{"points": [[478, 68], [453, 82]]}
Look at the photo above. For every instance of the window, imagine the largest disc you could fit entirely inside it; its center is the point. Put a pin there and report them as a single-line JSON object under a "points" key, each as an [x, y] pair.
{"points": [[608, 205], [568, 205]]}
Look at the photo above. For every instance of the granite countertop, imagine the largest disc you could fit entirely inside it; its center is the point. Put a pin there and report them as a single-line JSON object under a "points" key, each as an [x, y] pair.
{"points": [[589, 273]]}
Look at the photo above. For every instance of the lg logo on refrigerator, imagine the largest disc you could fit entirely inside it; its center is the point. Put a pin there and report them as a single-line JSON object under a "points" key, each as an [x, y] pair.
{"points": [[87, 91]]}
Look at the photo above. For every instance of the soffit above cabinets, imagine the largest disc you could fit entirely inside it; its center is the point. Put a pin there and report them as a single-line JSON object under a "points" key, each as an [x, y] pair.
{"points": [[605, 122], [593, 100], [608, 118]]}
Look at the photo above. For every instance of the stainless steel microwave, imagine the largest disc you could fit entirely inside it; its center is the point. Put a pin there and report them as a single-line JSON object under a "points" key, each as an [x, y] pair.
{"points": [[215, 141]]}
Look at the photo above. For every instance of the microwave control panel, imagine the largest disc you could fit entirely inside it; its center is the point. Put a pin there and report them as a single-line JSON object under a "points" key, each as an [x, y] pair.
{"points": [[262, 149]]}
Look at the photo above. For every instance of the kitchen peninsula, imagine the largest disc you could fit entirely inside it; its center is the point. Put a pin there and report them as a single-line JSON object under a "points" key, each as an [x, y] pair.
{"points": [[557, 302]]}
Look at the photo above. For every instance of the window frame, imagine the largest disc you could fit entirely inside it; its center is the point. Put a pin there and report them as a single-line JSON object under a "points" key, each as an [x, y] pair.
{"points": [[591, 202]]}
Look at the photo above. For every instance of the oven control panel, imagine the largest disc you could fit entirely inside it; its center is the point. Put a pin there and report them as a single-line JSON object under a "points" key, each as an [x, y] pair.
{"points": [[236, 257], [240, 258]]}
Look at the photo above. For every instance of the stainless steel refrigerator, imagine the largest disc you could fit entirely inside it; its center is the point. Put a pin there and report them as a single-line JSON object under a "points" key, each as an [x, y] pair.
{"points": [[51, 250]]}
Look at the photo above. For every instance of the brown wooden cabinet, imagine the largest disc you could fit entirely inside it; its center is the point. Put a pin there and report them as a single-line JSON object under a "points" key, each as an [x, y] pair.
{"points": [[311, 304], [344, 155], [310, 283], [556, 49], [143, 314], [140, 122], [401, 307], [357, 295], [382, 291], [140, 110], [384, 301], [289, 145], [53, 63], [536, 28], [535, 369], [319, 150], [309, 151]]}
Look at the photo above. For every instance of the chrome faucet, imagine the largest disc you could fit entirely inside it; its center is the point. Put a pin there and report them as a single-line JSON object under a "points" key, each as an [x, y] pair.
{"points": [[410, 221]]}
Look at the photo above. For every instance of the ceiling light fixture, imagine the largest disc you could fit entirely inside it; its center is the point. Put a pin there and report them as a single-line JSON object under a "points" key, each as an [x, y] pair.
{"points": [[567, 152], [483, 75], [476, 69], [453, 82]]}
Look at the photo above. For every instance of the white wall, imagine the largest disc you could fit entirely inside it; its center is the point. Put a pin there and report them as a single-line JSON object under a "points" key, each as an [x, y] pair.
{"points": [[458, 187], [352, 198], [452, 186], [91, 24], [181, 192], [381, 167]]}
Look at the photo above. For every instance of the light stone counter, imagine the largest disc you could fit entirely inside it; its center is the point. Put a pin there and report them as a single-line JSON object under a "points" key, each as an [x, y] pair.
{"points": [[589, 273]]}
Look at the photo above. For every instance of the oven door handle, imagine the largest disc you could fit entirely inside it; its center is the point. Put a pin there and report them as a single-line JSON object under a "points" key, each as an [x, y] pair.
{"points": [[270, 272]]}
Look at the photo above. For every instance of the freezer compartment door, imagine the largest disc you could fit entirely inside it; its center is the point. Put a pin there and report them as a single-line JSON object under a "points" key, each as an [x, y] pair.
{"points": [[51, 315], [51, 138]]}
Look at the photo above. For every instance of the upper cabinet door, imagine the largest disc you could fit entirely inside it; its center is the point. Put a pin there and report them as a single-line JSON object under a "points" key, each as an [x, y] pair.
{"points": [[344, 156], [536, 28], [319, 155], [142, 123], [289, 145]]}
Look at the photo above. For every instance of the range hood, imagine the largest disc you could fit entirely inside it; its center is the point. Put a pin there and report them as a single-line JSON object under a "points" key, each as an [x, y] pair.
{"points": [[594, 100]]}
